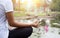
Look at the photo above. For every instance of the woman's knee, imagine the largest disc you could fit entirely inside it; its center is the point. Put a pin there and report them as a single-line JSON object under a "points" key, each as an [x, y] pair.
{"points": [[21, 32], [28, 31]]}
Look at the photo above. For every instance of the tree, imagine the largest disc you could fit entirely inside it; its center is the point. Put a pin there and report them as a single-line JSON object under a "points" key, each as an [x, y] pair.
{"points": [[55, 5]]}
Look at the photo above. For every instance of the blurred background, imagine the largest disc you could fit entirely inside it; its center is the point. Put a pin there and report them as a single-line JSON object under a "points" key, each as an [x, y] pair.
{"points": [[46, 11]]}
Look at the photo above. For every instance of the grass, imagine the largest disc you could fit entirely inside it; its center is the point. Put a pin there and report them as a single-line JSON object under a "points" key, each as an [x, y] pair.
{"points": [[41, 14], [16, 14], [19, 14]]}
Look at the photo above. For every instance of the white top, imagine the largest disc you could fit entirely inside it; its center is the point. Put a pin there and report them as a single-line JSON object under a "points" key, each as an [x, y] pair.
{"points": [[5, 6]]}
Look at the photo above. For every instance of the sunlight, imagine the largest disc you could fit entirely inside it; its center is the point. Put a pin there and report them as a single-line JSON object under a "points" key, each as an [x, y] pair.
{"points": [[27, 3], [30, 3], [22, 1], [17, 1]]}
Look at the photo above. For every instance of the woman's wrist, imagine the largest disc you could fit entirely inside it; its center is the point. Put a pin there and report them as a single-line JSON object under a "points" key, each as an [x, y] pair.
{"points": [[31, 24]]}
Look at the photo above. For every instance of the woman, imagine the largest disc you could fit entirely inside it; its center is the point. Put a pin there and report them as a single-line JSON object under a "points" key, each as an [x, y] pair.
{"points": [[6, 18]]}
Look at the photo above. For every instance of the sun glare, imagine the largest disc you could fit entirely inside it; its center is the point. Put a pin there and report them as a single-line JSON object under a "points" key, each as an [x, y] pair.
{"points": [[17, 1], [29, 3], [22, 1]]}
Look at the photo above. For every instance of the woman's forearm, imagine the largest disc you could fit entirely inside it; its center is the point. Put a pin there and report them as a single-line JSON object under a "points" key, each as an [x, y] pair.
{"points": [[19, 24], [11, 21]]}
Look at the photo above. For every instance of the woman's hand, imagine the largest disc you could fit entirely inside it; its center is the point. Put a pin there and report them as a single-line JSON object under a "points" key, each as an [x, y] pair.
{"points": [[35, 24]]}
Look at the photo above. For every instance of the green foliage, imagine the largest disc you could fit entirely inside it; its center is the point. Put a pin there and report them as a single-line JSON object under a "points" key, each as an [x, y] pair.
{"points": [[55, 5], [42, 23], [42, 14], [17, 8], [56, 19], [19, 14]]}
